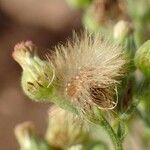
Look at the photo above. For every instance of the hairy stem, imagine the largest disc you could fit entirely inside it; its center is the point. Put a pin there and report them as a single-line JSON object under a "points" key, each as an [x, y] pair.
{"points": [[115, 140], [64, 104], [99, 119]]}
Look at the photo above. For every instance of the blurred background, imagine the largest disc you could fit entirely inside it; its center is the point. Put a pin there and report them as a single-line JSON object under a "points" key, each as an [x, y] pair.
{"points": [[45, 22]]}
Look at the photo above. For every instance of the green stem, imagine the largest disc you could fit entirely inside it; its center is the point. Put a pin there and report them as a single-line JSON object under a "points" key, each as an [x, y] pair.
{"points": [[64, 104], [99, 119], [144, 117], [132, 108], [115, 140]]}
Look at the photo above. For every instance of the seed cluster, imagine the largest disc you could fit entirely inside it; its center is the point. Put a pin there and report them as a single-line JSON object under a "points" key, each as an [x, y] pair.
{"points": [[95, 93]]}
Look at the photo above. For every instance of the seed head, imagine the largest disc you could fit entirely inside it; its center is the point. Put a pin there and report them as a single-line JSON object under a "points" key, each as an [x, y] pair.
{"points": [[88, 70]]}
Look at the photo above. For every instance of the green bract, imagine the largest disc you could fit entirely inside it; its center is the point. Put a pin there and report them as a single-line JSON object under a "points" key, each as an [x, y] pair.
{"points": [[37, 75], [36, 80], [142, 58]]}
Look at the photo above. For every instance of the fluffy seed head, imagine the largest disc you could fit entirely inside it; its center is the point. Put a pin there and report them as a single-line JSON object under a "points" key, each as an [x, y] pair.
{"points": [[88, 69]]}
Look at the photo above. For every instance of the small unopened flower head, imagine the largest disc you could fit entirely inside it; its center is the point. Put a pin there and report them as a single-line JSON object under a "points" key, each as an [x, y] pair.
{"points": [[23, 52], [122, 29], [102, 13], [37, 74], [88, 70], [27, 138], [23, 133], [65, 128], [142, 58]]}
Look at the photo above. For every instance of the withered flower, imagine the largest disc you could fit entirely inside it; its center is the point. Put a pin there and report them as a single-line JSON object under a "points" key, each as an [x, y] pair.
{"points": [[88, 70]]}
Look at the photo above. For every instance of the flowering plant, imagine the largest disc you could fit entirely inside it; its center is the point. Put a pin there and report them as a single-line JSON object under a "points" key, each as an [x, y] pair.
{"points": [[93, 80]]}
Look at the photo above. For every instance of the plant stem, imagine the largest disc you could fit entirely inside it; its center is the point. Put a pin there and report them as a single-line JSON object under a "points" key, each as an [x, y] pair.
{"points": [[132, 108], [64, 104], [99, 119], [115, 140]]}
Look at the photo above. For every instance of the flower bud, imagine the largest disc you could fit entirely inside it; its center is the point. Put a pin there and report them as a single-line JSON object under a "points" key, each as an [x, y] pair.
{"points": [[142, 58], [122, 30], [102, 14], [27, 139], [37, 74], [65, 129], [123, 34]]}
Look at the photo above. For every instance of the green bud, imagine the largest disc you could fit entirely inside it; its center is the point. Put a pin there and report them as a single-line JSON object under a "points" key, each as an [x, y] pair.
{"points": [[27, 139], [144, 105], [79, 3], [37, 74], [142, 58]]}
